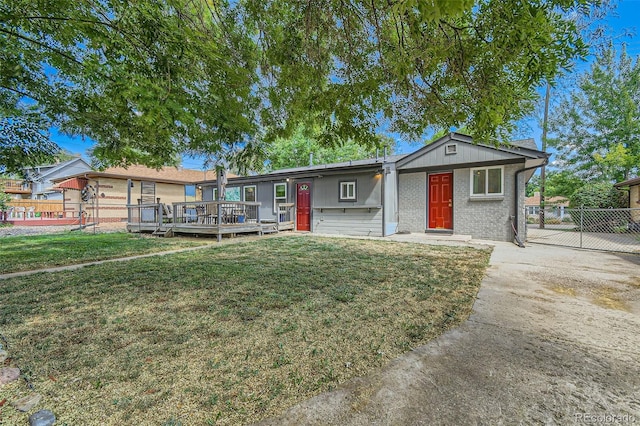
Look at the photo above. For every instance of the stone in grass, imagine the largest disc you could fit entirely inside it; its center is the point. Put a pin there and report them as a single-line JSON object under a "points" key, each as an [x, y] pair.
{"points": [[3, 355], [8, 375], [27, 403], [42, 418]]}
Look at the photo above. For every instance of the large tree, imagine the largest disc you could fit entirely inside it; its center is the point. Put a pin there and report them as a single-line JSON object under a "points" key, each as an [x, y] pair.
{"points": [[151, 79], [597, 126], [558, 183], [302, 148], [24, 144]]}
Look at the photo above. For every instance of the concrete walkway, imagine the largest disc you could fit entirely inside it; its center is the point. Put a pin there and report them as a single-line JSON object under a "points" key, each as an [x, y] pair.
{"points": [[553, 339]]}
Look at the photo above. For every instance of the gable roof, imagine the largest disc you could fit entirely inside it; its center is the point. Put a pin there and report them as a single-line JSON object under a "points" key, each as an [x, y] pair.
{"points": [[51, 169], [522, 149]]}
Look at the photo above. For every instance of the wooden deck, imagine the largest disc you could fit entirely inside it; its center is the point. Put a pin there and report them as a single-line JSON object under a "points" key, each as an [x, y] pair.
{"points": [[206, 218]]}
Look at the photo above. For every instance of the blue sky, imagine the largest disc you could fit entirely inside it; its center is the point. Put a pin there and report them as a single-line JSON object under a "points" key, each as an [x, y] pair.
{"points": [[626, 19]]}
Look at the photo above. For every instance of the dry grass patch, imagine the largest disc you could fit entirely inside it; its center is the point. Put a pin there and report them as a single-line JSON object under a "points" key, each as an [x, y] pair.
{"points": [[567, 291], [608, 297], [229, 334], [25, 253]]}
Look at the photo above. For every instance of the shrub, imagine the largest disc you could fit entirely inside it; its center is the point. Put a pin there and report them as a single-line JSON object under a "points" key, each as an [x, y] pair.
{"points": [[600, 195]]}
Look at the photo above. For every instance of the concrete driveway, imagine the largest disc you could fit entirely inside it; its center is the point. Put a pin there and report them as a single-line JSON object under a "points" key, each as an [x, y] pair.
{"points": [[554, 339]]}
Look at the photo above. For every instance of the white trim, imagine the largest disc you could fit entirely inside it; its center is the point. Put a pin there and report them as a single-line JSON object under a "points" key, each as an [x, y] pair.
{"points": [[348, 191], [450, 148], [255, 192], [486, 193], [282, 199]]}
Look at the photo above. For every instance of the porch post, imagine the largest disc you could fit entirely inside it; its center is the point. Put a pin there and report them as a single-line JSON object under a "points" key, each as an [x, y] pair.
{"points": [[219, 191]]}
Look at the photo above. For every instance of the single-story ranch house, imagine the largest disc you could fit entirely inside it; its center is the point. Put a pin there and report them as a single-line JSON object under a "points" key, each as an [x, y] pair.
{"points": [[450, 186]]}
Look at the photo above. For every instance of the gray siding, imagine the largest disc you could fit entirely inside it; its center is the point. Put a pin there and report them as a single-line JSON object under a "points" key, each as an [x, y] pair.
{"points": [[466, 154], [348, 221], [326, 190], [74, 168], [361, 217], [412, 202]]}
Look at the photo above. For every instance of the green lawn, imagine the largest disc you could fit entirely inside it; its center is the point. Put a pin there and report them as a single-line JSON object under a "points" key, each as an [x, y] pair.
{"points": [[228, 334], [44, 251]]}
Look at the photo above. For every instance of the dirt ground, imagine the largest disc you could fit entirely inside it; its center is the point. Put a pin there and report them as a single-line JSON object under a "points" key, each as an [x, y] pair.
{"points": [[553, 339], [41, 230]]}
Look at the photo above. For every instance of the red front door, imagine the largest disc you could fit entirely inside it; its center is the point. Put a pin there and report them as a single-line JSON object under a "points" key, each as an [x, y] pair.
{"points": [[440, 201], [303, 207]]}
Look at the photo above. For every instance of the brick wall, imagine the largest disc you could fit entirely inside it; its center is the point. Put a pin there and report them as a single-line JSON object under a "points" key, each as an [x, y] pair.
{"points": [[482, 219], [486, 219]]}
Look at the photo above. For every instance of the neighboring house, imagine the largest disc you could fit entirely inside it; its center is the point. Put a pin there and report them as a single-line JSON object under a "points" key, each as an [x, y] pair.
{"points": [[42, 178], [450, 186], [554, 206], [116, 187], [16, 188], [633, 185]]}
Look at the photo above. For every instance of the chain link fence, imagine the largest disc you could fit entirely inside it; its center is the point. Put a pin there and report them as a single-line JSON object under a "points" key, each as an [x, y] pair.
{"points": [[598, 229]]}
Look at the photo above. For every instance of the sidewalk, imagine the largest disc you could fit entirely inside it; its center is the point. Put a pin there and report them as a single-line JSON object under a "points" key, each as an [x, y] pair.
{"points": [[552, 340]]}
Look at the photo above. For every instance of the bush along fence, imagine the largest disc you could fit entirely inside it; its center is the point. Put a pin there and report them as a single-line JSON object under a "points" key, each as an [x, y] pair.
{"points": [[598, 229]]}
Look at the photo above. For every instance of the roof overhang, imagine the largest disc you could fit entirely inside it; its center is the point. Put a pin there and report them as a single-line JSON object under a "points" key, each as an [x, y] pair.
{"points": [[630, 182], [97, 175], [75, 183], [301, 174]]}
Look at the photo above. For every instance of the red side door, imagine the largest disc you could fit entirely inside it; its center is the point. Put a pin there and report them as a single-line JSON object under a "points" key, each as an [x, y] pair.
{"points": [[440, 201], [303, 207]]}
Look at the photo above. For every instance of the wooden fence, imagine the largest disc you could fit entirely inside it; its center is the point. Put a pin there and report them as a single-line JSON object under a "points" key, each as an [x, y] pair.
{"points": [[26, 209]]}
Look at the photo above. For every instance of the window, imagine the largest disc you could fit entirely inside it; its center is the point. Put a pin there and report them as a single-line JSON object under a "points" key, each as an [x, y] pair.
{"points": [[487, 181], [147, 192], [249, 193], [232, 194], [279, 195], [533, 209], [450, 149], [348, 191], [189, 193]]}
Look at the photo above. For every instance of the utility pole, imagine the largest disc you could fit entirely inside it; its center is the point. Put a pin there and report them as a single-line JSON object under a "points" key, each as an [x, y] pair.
{"points": [[545, 122]]}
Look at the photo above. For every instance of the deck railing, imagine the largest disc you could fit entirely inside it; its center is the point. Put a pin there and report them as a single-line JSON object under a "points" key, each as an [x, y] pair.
{"points": [[285, 213], [216, 212], [39, 209], [195, 213], [151, 213], [15, 186]]}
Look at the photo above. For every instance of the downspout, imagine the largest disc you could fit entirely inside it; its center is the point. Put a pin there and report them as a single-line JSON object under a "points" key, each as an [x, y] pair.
{"points": [[382, 194], [515, 226]]}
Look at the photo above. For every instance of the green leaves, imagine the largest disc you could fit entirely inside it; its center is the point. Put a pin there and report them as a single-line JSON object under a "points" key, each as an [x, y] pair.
{"points": [[22, 144], [148, 80], [597, 126]]}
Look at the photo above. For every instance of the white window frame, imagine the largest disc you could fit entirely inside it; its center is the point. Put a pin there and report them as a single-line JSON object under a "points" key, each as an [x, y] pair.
{"points": [[244, 192], [277, 199], [348, 184], [486, 193]]}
